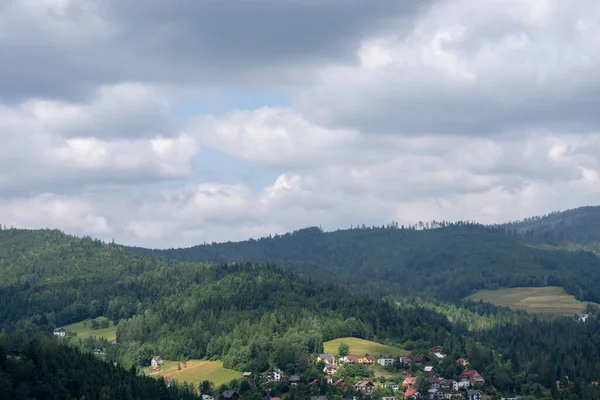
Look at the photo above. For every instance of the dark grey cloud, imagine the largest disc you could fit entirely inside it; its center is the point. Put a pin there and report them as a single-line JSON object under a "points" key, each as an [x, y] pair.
{"points": [[256, 42]]}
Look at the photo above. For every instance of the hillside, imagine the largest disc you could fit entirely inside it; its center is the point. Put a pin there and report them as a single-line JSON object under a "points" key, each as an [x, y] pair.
{"points": [[576, 225], [446, 263]]}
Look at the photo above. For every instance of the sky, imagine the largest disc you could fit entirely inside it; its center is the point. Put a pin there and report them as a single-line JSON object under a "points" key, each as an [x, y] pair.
{"points": [[167, 124]]}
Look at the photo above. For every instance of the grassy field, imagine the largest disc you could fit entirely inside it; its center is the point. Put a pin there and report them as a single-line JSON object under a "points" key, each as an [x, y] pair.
{"points": [[109, 333], [361, 347], [197, 371], [548, 299]]}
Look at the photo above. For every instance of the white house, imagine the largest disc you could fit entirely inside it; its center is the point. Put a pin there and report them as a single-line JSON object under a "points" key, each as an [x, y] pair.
{"points": [[394, 386], [580, 317], [385, 361], [274, 376], [464, 383], [474, 394], [155, 362], [327, 358], [59, 332], [207, 397]]}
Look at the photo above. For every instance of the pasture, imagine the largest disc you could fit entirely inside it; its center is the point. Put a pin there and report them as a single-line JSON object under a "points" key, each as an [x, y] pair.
{"points": [[547, 299], [83, 332], [196, 372], [361, 347]]}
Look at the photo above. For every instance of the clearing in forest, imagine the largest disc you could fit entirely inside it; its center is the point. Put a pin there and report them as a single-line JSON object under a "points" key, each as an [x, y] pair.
{"points": [[361, 347], [197, 371], [547, 299], [83, 332]]}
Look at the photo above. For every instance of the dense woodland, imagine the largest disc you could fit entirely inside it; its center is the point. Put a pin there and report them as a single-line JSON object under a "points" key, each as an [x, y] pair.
{"points": [[446, 263], [283, 299]]}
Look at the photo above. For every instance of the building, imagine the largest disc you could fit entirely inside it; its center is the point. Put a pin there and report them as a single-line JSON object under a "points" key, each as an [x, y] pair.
{"points": [[156, 362], [329, 380], [462, 361], [429, 370], [436, 349], [327, 358], [409, 381], [406, 360], [449, 384], [509, 396], [394, 386], [473, 377], [59, 332], [435, 394], [412, 394], [385, 361], [207, 397], [169, 380], [439, 356], [274, 375], [247, 375], [421, 358], [330, 369], [294, 380], [435, 383], [364, 386], [230, 395], [473, 394], [580, 317], [98, 352], [349, 359], [367, 360]]}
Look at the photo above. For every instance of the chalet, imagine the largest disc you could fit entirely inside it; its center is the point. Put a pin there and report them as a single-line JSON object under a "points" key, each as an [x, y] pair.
{"points": [[436, 349], [412, 394], [580, 317], [509, 396], [327, 358], [435, 394], [367, 360], [330, 369], [349, 359], [474, 394], [59, 332], [341, 384], [364, 386], [294, 380], [435, 383], [421, 358], [209, 397], [156, 362], [385, 361], [449, 384], [328, 379], [230, 395], [274, 375], [429, 370], [462, 361], [473, 377], [408, 382]]}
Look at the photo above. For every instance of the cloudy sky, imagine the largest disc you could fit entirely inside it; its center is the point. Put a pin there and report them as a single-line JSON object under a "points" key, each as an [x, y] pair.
{"points": [[162, 123]]}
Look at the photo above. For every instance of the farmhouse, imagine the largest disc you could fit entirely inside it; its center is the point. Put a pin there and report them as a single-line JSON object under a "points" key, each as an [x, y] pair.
{"points": [[349, 359], [156, 362], [59, 332], [385, 361], [368, 360], [364, 386], [580, 317]]}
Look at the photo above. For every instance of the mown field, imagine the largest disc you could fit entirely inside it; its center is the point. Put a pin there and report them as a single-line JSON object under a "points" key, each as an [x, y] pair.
{"points": [[547, 299], [196, 371], [362, 347], [83, 332]]}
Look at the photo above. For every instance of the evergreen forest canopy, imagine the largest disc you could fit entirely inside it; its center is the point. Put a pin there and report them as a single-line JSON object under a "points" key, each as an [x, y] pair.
{"points": [[258, 313], [445, 261]]}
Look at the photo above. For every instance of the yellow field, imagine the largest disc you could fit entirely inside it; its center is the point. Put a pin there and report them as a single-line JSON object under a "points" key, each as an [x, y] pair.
{"points": [[548, 299], [361, 347], [197, 371], [109, 333]]}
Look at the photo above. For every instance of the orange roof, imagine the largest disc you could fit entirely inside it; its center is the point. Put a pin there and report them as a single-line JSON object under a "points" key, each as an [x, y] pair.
{"points": [[410, 392]]}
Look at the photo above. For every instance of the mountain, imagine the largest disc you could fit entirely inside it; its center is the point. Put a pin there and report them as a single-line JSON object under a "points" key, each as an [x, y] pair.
{"points": [[447, 263], [575, 225]]}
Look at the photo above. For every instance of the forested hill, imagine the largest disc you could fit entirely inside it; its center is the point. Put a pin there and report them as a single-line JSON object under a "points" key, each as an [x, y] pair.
{"points": [[576, 225], [446, 263]]}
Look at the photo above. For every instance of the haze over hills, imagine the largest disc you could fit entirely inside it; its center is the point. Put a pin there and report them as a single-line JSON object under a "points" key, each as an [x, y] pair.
{"points": [[447, 262]]}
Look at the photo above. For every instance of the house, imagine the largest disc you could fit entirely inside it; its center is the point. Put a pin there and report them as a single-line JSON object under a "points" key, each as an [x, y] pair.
{"points": [[405, 360], [408, 382], [462, 361], [349, 359], [449, 384], [318, 397], [394, 386], [385, 361], [580, 317], [247, 375], [230, 395], [388, 398], [368, 360], [451, 396], [294, 380], [464, 384], [364, 386], [435, 394], [474, 394], [509, 396], [421, 358], [412, 394], [472, 376], [169, 380], [330, 369], [436, 349], [59, 332], [439, 356], [341, 384], [98, 352], [156, 362], [435, 383], [327, 358], [207, 397], [429, 370], [274, 375], [329, 380]]}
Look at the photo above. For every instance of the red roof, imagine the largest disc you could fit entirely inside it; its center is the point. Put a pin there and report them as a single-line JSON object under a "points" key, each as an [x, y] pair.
{"points": [[410, 392], [352, 358], [169, 378]]}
